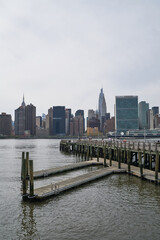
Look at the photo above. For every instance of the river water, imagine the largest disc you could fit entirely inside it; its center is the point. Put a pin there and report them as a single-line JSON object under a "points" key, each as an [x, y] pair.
{"points": [[113, 208]]}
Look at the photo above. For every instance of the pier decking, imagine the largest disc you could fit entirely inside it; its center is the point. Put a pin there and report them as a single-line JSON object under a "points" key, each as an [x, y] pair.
{"points": [[66, 168]]}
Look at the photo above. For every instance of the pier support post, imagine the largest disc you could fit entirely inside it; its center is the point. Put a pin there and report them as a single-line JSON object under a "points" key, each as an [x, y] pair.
{"points": [[140, 163], [156, 167], [97, 153], [104, 153], [110, 156], [22, 165], [31, 193], [24, 176], [129, 160], [27, 164], [119, 158]]}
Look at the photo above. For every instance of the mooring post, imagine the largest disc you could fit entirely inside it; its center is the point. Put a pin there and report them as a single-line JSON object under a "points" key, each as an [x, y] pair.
{"points": [[156, 167], [150, 157], [24, 175], [22, 165], [119, 158], [98, 153], [87, 152], [31, 178], [104, 154], [110, 155], [140, 163], [27, 163], [129, 160]]}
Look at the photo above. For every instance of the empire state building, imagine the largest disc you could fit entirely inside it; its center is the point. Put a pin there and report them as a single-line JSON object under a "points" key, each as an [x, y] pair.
{"points": [[102, 109]]}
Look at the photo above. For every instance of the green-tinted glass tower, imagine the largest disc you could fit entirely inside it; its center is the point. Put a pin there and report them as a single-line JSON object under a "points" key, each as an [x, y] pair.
{"points": [[126, 113]]}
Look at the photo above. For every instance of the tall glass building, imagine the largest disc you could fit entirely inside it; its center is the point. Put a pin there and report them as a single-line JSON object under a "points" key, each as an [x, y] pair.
{"points": [[126, 113], [143, 108], [102, 109], [59, 120]]}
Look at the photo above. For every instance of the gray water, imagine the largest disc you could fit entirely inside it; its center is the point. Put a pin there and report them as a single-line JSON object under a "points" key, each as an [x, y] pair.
{"points": [[115, 207]]}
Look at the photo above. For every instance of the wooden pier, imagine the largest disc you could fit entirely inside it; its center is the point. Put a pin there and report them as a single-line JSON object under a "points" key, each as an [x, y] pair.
{"points": [[138, 159]]}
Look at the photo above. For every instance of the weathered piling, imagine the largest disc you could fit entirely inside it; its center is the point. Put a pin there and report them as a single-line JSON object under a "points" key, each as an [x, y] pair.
{"points": [[31, 190]]}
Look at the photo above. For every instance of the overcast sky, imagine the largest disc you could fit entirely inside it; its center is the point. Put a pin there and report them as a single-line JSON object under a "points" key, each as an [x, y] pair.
{"points": [[61, 52]]}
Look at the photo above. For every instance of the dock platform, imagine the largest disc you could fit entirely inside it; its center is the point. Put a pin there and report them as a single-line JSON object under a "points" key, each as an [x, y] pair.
{"points": [[66, 168], [57, 188]]}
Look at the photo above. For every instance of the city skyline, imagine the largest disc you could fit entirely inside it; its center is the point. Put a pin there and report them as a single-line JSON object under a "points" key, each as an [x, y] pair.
{"points": [[58, 52]]}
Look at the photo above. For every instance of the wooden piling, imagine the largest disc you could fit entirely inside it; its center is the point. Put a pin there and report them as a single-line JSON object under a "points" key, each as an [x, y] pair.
{"points": [[22, 165], [31, 193], [104, 153], [140, 163], [97, 153], [129, 160], [156, 166]]}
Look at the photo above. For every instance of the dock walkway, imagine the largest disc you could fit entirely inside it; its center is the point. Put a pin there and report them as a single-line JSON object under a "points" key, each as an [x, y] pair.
{"points": [[55, 189], [66, 168]]}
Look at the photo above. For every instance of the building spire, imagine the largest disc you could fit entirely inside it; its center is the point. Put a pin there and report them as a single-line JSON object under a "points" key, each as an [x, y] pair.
{"points": [[23, 103]]}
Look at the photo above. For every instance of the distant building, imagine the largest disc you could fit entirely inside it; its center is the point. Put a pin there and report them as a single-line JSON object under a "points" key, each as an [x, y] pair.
{"points": [[126, 109], [110, 125], [25, 120], [58, 120], [76, 126], [20, 120], [143, 108], [39, 121], [150, 119], [102, 109], [5, 124], [67, 120], [91, 114], [81, 113], [157, 121], [155, 110]]}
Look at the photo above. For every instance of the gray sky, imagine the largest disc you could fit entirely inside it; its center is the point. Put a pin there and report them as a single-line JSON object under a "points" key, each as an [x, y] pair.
{"points": [[61, 52]]}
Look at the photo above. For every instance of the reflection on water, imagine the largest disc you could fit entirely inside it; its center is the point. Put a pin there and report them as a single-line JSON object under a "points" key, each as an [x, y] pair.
{"points": [[115, 207], [28, 223]]}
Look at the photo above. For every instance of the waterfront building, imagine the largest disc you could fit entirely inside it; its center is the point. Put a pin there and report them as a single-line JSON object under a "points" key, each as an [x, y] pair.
{"points": [[157, 121], [67, 120], [5, 124], [110, 125], [143, 108], [150, 119], [25, 120], [30, 119], [102, 109], [91, 114], [81, 113], [126, 113], [58, 120], [155, 110], [39, 121], [20, 120]]}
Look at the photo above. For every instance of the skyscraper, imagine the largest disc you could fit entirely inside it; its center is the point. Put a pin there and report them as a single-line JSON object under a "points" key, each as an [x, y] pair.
{"points": [[80, 113], [59, 120], [20, 119], [126, 109], [5, 124], [25, 119], [102, 109], [155, 110], [143, 108], [30, 119], [67, 120]]}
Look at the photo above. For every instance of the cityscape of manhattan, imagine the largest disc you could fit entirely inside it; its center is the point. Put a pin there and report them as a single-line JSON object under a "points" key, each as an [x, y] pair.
{"points": [[131, 117]]}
